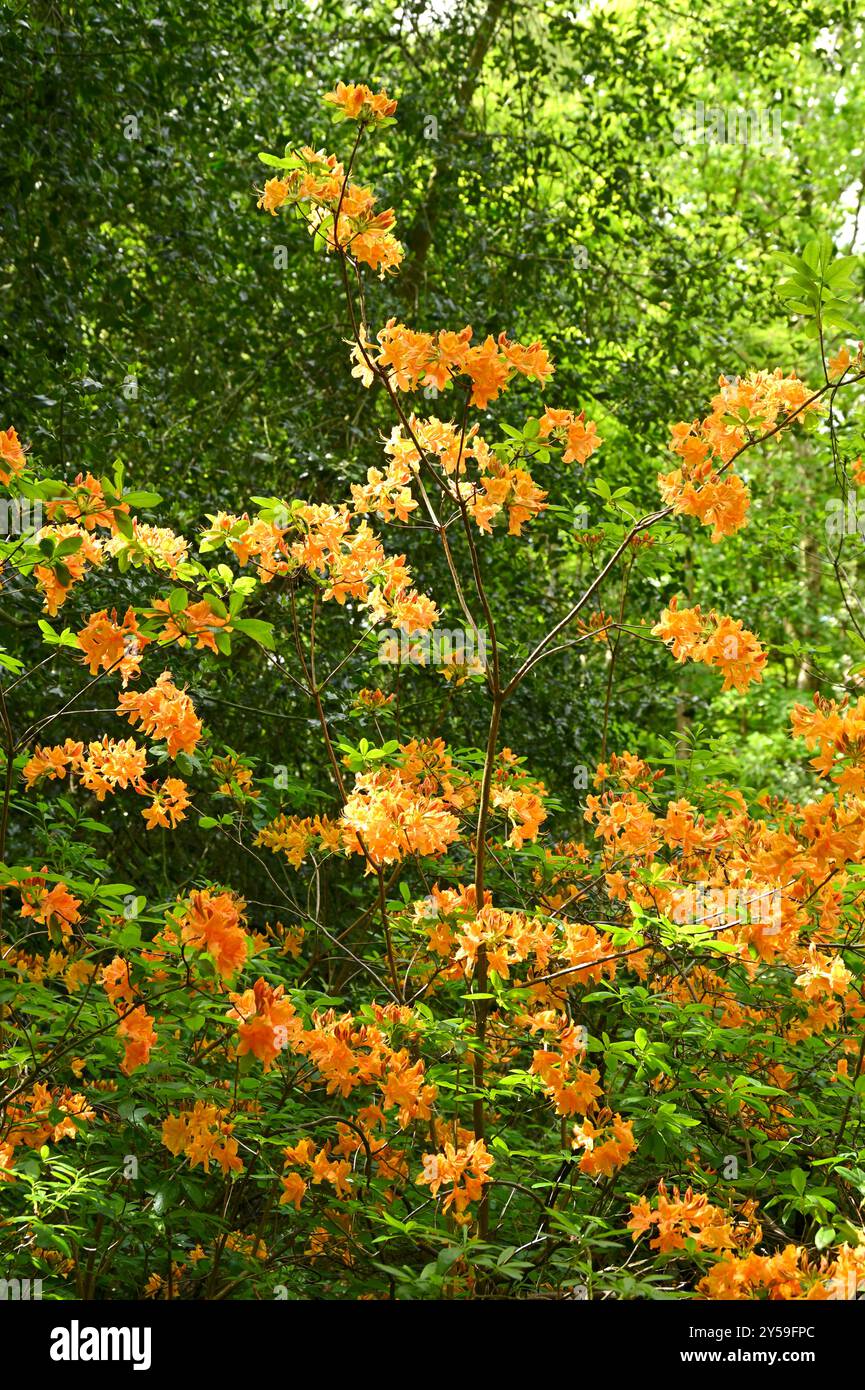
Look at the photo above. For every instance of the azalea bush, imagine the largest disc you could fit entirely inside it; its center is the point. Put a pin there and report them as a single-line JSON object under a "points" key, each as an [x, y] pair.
{"points": [[449, 1037]]}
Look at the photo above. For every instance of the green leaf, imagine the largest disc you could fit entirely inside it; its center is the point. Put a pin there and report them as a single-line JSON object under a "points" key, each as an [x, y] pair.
{"points": [[69, 545], [124, 523], [256, 629], [142, 499]]}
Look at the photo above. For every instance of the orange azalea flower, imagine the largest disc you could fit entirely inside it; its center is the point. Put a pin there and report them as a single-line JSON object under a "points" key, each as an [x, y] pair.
{"points": [[110, 763], [357, 102], [678, 1219], [150, 547], [31, 1121], [294, 837], [12, 457], [502, 486], [135, 1025], [54, 907], [837, 731], [89, 552], [403, 1087], [105, 765], [203, 1135], [340, 212], [267, 1022], [607, 1146], [116, 982], [238, 777], [744, 408], [788, 1275], [86, 505], [293, 1189], [53, 762], [166, 712], [196, 620], [140, 1036], [111, 646], [274, 195], [212, 922], [722, 504], [840, 362], [417, 359], [580, 437], [716, 641], [169, 804], [464, 1172], [372, 699], [385, 818]]}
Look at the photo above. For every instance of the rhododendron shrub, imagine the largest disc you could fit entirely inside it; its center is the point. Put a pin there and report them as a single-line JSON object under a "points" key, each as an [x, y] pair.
{"points": [[432, 1045]]}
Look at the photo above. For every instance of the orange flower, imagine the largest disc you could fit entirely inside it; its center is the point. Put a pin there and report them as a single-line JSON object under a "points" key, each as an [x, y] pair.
{"points": [[137, 1028], [722, 504], [356, 102], [417, 359], [116, 982], [717, 641], [679, 1219], [12, 457], [340, 213], [203, 1135], [294, 837], [212, 922], [55, 580], [150, 547], [196, 620], [581, 438], [110, 763], [53, 762], [744, 409], [386, 818], [54, 907], [607, 1146], [274, 195], [293, 1189], [267, 1022], [169, 804], [166, 712], [111, 646], [839, 363], [788, 1275], [462, 1171], [86, 504]]}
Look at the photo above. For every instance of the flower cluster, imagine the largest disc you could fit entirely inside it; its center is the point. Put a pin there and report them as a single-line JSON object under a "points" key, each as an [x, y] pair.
{"points": [[717, 641], [744, 410], [462, 1172], [410, 360], [164, 712], [205, 1136], [40, 1116], [341, 213], [213, 922], [837, 731], [677, 1219]]}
